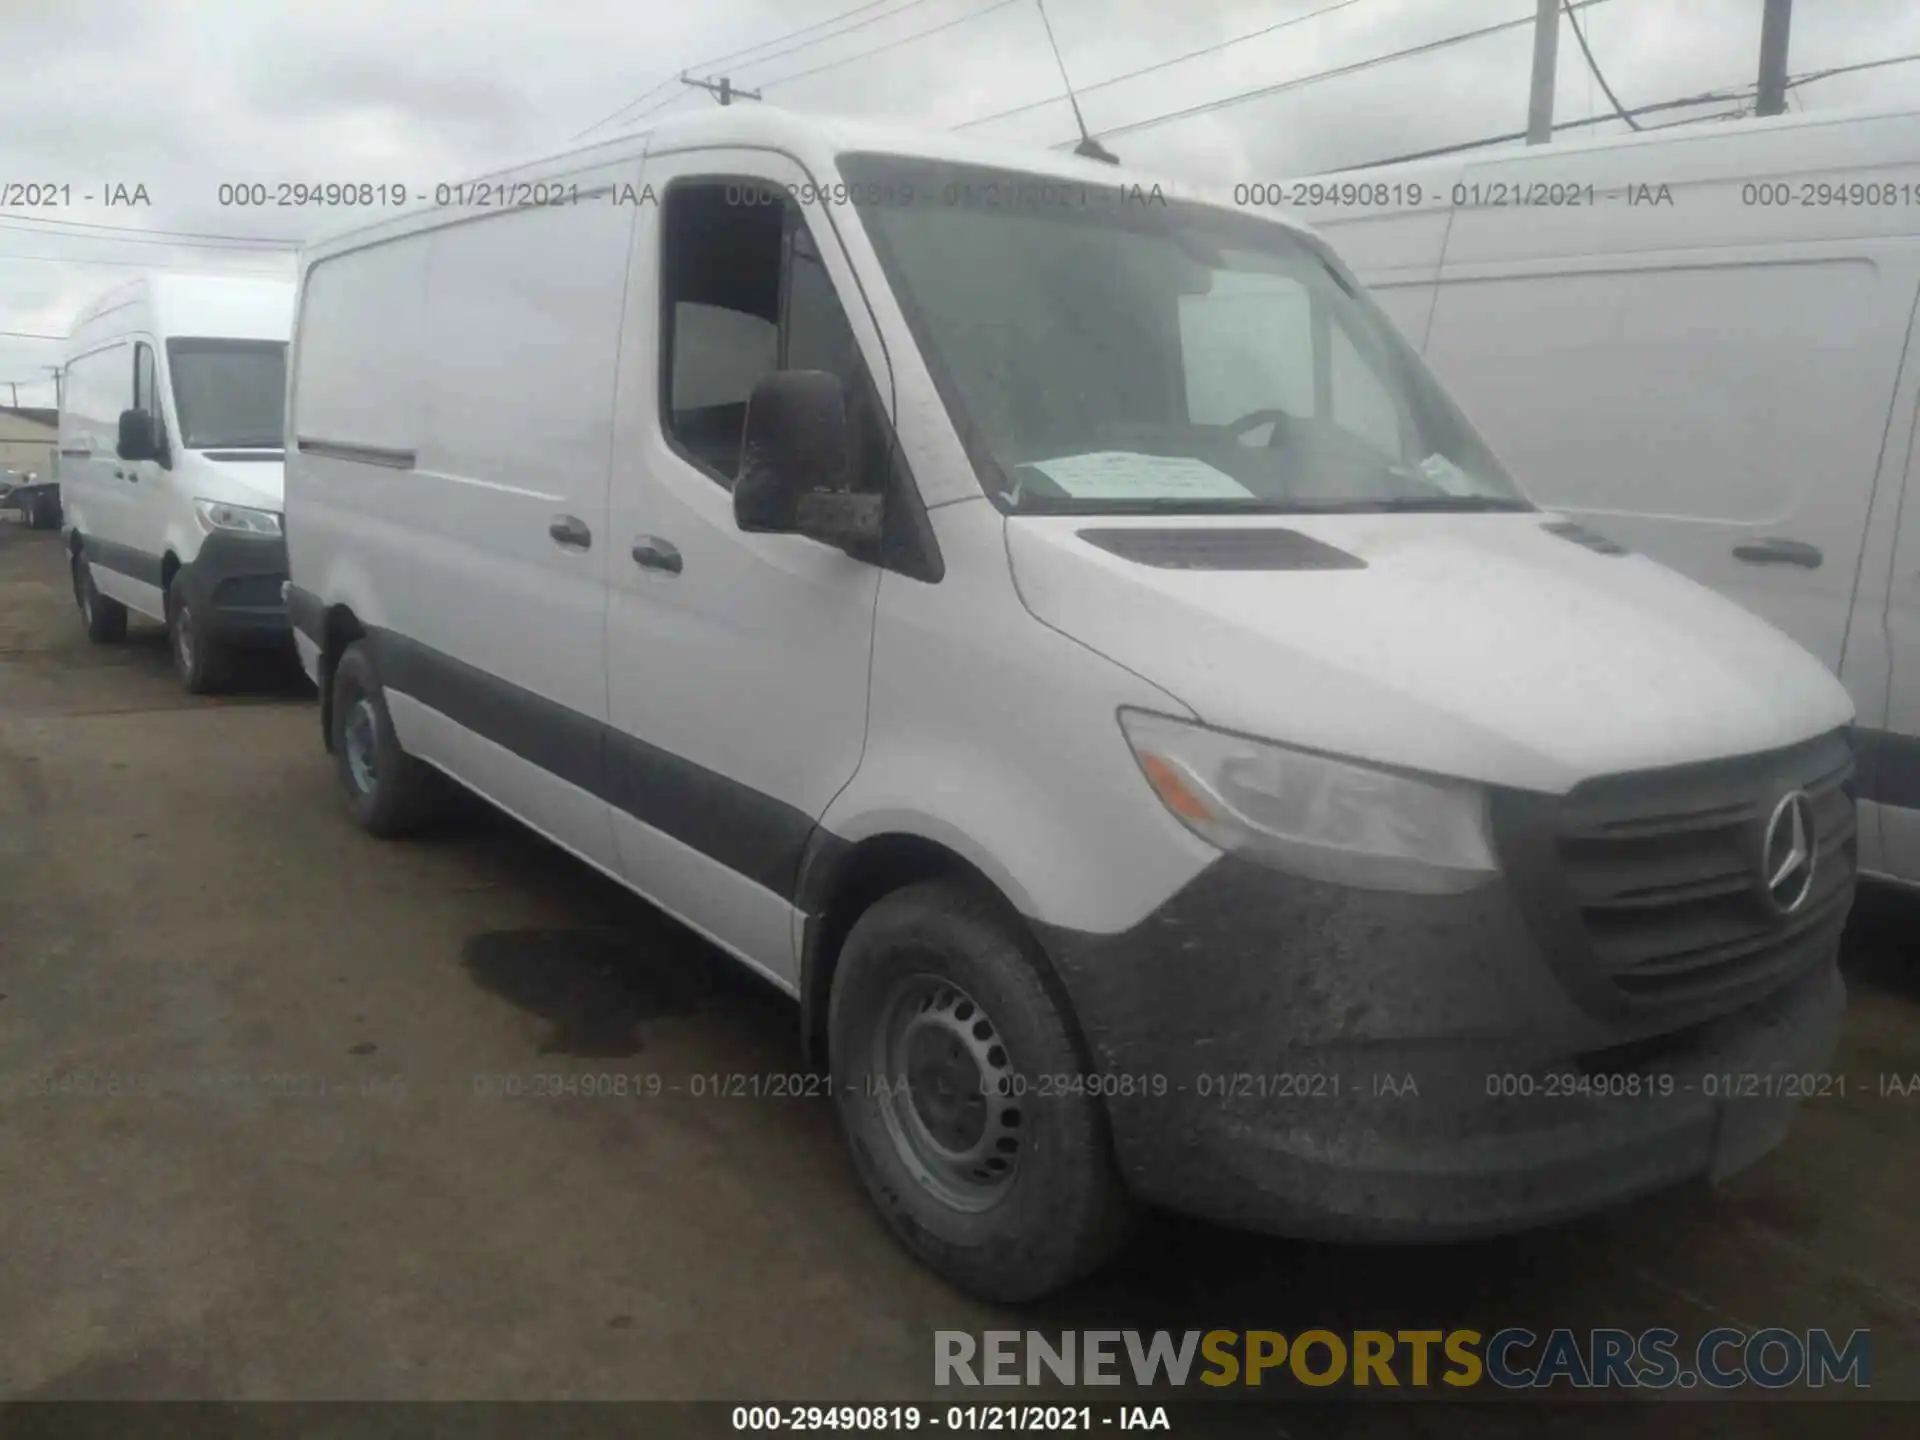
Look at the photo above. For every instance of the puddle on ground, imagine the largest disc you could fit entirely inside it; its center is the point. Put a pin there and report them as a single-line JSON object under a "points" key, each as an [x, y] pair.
{"points": [[594, 988]]}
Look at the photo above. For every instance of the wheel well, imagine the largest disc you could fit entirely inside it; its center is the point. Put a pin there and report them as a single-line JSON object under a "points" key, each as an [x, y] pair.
{"points": [[343, 627], [876, 867]]}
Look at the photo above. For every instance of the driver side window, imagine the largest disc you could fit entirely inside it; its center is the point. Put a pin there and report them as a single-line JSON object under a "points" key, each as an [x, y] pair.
{"points": [[746, 293]]}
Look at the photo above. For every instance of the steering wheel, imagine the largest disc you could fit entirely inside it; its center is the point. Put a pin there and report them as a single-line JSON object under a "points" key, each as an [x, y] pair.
{"points": [[1254, 419]]}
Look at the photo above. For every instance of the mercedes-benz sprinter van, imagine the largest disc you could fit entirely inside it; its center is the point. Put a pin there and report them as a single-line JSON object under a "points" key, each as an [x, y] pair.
{"points": [[1704, 342], [1059, 632], [171, 417]]}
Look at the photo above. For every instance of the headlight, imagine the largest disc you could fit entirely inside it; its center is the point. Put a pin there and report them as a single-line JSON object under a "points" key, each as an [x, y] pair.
{"points": [[1314, 816], [218, 515]]}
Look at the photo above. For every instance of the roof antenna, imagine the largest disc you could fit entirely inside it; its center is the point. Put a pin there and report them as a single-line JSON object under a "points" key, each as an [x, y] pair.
{"points": [[1088, 146]]}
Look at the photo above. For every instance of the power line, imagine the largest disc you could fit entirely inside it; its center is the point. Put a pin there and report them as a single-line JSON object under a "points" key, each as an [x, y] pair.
{"points": [[890, 45], [1160, 64], [132, 264], [1814, 75], [16, 216], [1355, 68], [738, 56], [28, 335], [134, 238], [851, 59], [735, 55], [1594, 66], [1739, 112], [1710, 97]]}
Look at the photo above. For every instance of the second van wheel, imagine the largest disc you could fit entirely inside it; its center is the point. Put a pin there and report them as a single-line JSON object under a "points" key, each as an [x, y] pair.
{"points": [[106, 620], [389, 792], [198, 659], [939, 1025]]}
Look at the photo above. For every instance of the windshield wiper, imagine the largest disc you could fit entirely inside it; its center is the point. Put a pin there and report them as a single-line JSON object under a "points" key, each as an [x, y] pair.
{"points": [[1418, 504], [1436, 504], [1030, 504]]}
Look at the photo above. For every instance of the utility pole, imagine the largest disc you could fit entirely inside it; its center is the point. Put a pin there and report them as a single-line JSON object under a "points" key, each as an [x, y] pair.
{"points": [[1546, 57], [14, 385], [722, 89], [1772, 99]]}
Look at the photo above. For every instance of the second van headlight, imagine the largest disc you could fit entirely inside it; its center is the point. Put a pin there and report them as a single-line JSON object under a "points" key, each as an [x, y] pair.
{"points": [[1312, 815], [218, 515]]}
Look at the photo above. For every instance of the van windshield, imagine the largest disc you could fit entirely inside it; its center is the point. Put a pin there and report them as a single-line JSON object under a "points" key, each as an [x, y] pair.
{"points": [[1107, 350], [230, 394]]}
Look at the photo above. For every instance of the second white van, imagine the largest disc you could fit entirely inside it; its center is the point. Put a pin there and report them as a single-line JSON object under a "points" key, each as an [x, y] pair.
{"points": [[172, 412], [1061, 634], [1704, 342]]}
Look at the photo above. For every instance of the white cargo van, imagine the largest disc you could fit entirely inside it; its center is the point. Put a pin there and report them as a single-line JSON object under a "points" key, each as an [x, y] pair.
{"points": [[1705, 343], [1061, 634], [171, 451]]}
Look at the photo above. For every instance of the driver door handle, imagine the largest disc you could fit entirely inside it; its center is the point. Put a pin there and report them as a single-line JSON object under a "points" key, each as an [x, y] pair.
{"points": [[570, 531], [650, 552], [1775, 550]]}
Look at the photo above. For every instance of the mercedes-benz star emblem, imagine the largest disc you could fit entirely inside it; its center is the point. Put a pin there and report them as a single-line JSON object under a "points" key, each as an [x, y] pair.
{"points": [[1789, 854]]}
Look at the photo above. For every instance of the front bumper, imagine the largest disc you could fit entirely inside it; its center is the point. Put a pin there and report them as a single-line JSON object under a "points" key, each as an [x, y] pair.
{"points": [[1324, 1062], [234, 586]]}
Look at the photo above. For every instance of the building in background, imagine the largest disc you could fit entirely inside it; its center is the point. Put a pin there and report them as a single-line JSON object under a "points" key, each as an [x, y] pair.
{"points": [[28, 435], [29, 463]]}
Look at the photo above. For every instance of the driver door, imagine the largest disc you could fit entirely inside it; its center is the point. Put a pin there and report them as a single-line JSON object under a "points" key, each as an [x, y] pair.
{"points": [[737, 663]]}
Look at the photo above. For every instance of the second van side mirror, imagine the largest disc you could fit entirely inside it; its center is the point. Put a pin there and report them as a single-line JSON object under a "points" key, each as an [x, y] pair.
{"points": [[139, 436], [796, 463]]}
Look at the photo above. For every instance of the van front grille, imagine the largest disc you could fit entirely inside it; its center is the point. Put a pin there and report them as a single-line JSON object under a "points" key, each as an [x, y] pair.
{"points": [[1665, 870]]}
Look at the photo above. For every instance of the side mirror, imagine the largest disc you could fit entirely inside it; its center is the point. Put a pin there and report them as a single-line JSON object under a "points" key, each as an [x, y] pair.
{"points": [[796, 461], [139, 436]]}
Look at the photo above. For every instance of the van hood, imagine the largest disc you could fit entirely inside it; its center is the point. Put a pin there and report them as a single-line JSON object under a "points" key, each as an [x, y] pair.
{"points": [[260, 484], [1482, 646]]}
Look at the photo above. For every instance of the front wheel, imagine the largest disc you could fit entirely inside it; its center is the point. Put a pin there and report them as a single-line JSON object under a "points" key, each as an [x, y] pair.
{"points": [[199, 660], [388, 791], [953, 1067], [106, 620]]}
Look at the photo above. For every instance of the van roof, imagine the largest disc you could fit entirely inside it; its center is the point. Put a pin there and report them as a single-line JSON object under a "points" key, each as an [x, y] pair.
{"points": [[814, 140], [227, 306]]}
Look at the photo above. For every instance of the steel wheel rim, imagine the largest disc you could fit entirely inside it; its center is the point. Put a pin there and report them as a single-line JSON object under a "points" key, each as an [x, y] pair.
{"points": [[947, 1092], [358, 737]]}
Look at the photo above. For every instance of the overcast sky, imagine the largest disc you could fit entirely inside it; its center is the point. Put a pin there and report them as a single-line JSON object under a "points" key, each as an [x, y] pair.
{"points": [[182, 97]]}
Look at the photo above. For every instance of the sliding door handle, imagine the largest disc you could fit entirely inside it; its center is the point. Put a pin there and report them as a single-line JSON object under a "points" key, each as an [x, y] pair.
{"points": [[1777, 551], [650, 552], [570, 531]]}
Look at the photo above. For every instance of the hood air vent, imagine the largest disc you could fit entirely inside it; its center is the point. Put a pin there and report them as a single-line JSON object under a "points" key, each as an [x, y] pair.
{"points": [[1581, 535], [1239, 548]]}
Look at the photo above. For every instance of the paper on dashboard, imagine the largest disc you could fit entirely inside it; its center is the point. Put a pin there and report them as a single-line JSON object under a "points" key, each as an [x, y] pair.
{"points": [[1122, 475]]}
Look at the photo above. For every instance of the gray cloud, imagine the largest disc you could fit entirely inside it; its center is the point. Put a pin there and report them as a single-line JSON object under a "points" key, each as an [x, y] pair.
{"points": [[184, 98]]}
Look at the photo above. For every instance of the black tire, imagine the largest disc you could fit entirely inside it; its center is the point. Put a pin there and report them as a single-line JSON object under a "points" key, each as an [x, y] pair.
{"points": [[106, 620], [40, 511], [399, 794], [202, 664], [1058, 1209]]}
